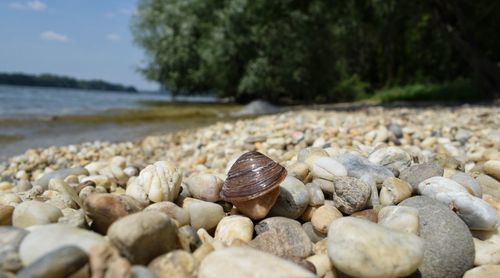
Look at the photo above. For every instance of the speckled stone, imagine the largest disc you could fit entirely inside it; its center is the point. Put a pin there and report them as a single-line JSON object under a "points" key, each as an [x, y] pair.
{"points": [[448, 249], [416, 174]]}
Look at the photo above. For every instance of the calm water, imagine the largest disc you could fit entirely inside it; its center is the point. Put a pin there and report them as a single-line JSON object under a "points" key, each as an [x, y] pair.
{"points": [[39, 117], [35, 101]]}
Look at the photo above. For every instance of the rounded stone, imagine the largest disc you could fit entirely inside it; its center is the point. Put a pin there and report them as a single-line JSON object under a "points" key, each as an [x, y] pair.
{"points": [[416, 174], [484, 271], [234, 227], [31, 213], [487, 247], [62, 174], [361, 248], [282, 237], [178, 263], [448, 248], [399, 218], [246, 262], [313, 235], [325, 167], [61, 262], [6, 215], [358, 166], [292, 200], [139, 271], [142, 236], [323, 217], [468, 183], [44, 239], [492, 168], [393, 158], [350, 194], [204, 215], [104, 209], [188, 238], [316, 196], [178, 214], [205, 187], [394, 191]]}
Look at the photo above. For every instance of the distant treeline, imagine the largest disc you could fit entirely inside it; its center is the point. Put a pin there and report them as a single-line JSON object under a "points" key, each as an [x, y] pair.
{"points": [[50, 80]]}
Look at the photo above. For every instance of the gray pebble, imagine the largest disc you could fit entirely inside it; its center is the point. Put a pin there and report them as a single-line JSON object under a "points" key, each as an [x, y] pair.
{"points": [[351, 194], [358, 166], [418, 173], [61, 262]]}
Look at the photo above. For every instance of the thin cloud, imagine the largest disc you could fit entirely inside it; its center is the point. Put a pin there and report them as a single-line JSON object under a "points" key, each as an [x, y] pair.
{"points": [[53, 36], [113, 37], [35, 5]]}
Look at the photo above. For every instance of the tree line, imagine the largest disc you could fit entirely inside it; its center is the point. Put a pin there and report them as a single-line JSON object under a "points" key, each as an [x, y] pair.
{"points": [[316, 50], [50, 80]]}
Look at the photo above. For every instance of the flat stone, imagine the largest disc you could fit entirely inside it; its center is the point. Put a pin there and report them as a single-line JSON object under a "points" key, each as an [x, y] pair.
{"points": [[292, 200], [358, 166], [282, 237], [416, 174], [361, 248], [246, 262], [142, 236], [44, 239], [448, 248], [104, 209], [31, 213], [62, 174], [61, 262], [350, 194]]}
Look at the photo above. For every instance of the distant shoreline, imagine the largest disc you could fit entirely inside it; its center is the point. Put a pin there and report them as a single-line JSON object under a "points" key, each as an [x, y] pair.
{"points": [[63, 82]]}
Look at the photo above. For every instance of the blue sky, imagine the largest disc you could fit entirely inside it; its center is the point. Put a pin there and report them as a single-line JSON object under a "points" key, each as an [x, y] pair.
{"points": [[87, 39]]}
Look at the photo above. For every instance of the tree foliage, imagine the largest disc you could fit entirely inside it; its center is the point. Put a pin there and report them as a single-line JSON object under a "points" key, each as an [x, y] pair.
{"points": [[315, 50]]}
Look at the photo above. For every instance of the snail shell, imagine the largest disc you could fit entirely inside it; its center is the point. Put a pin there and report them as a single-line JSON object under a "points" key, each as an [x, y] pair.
{"points": [[251, 176]]}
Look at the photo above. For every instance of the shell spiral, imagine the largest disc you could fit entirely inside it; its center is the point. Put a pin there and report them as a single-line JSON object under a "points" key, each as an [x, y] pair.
{"points": [[251, 176]]}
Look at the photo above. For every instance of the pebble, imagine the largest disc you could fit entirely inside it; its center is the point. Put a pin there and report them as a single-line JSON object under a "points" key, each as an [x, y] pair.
{"points": [[475, 212], [205, 187], [367, 214], [299, 170], [448, 248], [316, 196], [104, 209], [492, 168], [62, 174], [61, 262], [105, 261], [322, 264], [188, 238], [10, 239], [204, 215], [6, 215], [350, 194], [487, 247], [313, 235], [468, 183], [245, 262], [393, 158], [43, 239], [489, 185], [308, 213], [394, 191], [74, 218], [325, 168], [178, 263], [293, 199], [282, 237], [323, 217], [9, 199], [399, 218], [310, 152], [364, 249], [178, 214], [484, 271], [416, 174], [234, 227], [142, 236], [358, 166], [31, 213]]}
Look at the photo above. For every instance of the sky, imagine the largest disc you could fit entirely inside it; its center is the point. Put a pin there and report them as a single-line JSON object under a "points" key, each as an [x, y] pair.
{"points": [[86, 39]]}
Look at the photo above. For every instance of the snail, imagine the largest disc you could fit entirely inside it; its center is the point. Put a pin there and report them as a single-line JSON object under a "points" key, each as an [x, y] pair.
{"points": [[252, 184]]}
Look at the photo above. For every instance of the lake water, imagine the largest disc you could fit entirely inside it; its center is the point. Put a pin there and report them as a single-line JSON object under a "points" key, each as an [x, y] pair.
{"points": [[39, 117]]}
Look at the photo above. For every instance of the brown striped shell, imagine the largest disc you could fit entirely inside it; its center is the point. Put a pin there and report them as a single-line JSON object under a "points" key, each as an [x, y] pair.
{"points": [[252, 176]]}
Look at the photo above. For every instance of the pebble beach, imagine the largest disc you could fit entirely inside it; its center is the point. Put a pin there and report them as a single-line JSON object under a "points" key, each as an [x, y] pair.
{"points": [[372, 192]]}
